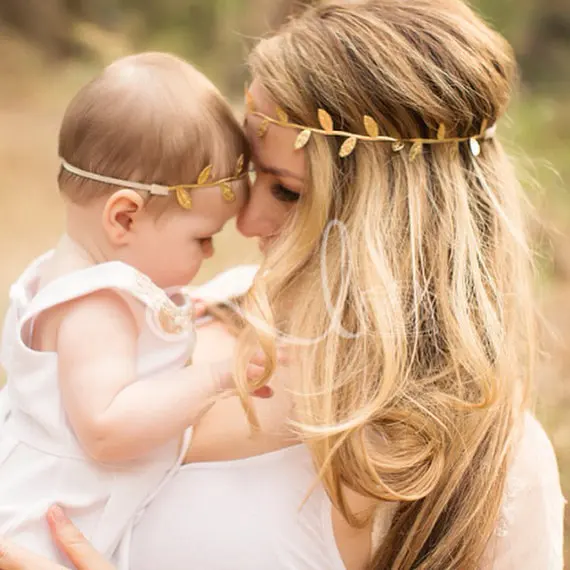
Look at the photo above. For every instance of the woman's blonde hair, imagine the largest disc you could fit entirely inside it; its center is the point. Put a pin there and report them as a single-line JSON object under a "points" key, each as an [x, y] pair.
{"points": [[150, 118], [414, 393]]}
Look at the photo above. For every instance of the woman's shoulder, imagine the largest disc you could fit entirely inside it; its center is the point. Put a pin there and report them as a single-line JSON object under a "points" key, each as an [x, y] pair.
{"points": [[534, 459], [534, 469], [529, 533]]}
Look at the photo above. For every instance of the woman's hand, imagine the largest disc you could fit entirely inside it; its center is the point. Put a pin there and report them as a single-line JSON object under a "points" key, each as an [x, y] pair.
{"points": [[69, 540]]}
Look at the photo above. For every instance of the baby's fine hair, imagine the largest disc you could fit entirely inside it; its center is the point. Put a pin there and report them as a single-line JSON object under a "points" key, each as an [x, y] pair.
{"points": [[150, 118]]}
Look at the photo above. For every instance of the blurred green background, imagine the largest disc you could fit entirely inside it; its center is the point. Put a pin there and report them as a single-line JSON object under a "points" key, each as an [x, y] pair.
{"points": [[49, 47]]}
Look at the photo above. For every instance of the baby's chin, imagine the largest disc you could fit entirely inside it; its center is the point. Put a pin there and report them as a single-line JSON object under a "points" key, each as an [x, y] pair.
{"points": [[182, 280]]}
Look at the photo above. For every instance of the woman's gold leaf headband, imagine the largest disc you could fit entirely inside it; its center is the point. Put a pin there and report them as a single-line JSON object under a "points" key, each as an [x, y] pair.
{"points": [[182, 190], [371, 128]]}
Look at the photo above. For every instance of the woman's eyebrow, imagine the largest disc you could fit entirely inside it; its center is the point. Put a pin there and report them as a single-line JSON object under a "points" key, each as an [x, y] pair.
{"points": [[266, 169], [279, 172]]}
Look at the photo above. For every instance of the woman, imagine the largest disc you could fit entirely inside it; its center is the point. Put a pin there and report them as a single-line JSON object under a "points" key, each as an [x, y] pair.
{"points": [[409, 327]]}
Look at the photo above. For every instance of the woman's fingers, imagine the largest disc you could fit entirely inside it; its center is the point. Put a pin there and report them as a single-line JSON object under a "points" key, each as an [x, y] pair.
{"points": [[14, 557], [73, 543]]}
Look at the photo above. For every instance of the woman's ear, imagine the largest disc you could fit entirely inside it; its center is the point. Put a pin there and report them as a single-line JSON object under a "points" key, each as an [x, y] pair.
{"points": [[120, 215]]}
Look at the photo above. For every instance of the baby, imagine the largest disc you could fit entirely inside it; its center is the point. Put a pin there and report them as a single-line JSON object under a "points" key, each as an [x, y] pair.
{"points": [[153, 164]]}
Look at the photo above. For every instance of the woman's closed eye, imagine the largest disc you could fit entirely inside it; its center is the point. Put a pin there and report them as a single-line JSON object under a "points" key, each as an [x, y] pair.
{"points": [[279, 191], [284, 194]]}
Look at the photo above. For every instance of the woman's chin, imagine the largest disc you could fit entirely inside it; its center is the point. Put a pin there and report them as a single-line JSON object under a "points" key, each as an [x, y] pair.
{"points": [[264, 244]]}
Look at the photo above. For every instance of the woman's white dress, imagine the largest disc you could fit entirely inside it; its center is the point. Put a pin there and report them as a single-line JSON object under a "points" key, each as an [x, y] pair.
{"points": [[41, 460], [254, 513]]}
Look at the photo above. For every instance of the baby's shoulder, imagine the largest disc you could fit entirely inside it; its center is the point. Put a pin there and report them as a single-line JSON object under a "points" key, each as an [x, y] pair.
{"points": [[50, 286]]}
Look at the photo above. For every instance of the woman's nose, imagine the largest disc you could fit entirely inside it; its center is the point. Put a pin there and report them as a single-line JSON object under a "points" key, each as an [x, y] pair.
{"points": [[257, 218]]}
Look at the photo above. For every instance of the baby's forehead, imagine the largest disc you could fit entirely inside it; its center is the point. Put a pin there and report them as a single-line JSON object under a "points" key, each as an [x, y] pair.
{"points": [[211, 209]]}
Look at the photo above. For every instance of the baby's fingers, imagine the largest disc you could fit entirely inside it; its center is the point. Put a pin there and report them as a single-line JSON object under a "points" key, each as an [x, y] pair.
{"points": [[255, 371], [265, 392], [260, 359], [200, 308]]}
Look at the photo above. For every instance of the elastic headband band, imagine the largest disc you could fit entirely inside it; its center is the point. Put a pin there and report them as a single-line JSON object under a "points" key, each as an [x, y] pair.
{"points": [[155, 189], [182, 190]]}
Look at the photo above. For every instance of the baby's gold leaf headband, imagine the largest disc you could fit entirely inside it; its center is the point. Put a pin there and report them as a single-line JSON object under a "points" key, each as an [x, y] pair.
{"points": [[182, 190], [371, 129]]}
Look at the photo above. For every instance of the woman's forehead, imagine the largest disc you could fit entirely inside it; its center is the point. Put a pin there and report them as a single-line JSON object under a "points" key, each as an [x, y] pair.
{"points": [[276, 147]]}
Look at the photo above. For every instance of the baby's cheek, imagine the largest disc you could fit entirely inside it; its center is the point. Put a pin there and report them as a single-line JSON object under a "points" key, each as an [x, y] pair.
{"points": [[193, 260]]}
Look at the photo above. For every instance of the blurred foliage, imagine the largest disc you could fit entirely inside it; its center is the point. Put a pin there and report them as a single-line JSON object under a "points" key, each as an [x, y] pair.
{"points": [[216, 34]]}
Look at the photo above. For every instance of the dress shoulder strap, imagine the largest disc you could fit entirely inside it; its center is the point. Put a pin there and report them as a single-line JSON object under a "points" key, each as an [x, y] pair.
{"points": [[114, 275]]}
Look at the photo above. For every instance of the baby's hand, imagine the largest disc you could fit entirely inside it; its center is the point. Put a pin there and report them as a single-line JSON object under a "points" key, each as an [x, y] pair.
{"points": [[258, 360], [200, 308], [224, 371]]}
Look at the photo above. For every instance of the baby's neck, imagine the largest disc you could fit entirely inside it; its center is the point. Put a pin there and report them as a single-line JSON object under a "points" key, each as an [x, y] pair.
{"points": [[73, 250], [83, 241]]}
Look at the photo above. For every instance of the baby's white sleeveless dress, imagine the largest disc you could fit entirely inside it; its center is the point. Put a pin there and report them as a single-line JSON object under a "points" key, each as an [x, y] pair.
{"points": [[41, 461]]}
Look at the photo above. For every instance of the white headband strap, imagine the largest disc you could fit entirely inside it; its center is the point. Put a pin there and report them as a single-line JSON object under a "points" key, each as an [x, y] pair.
{"points": [[155, 189]]}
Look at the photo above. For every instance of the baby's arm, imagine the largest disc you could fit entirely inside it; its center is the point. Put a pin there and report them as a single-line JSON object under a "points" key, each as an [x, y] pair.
{"points": [[114, 417]]}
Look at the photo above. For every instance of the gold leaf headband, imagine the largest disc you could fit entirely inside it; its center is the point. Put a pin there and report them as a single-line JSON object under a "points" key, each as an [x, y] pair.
{"points": [[371, 128], [182, 190]]}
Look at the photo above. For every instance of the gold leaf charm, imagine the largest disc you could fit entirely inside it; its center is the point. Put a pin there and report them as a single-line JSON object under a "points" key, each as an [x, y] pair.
{"points": [[205, 174], [371, 126], [184, 198], [474, 146], [262, 129], [227, 192], [397, 146], [239, 165], [303, 139], [347, 147], [441, 132], [416, 150], [281, 115], [249, 102], [484, 125], [326, 121]]}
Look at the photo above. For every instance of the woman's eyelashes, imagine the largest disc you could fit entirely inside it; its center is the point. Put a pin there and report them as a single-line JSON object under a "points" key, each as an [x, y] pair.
{"points": [[279, 191], [284, 194]]}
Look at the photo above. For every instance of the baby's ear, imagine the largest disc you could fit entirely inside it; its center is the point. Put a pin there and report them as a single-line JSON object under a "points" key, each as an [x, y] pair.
{"points": [[120, 215]]}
